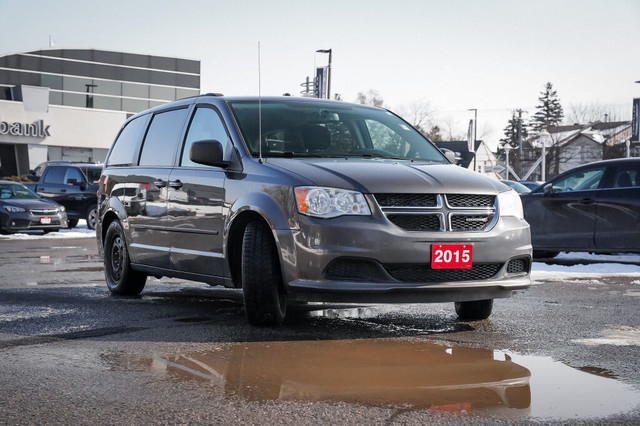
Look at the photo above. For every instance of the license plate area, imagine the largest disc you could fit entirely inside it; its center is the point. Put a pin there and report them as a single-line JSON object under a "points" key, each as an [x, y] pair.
{"points": [[45, 220], [451, 256]]}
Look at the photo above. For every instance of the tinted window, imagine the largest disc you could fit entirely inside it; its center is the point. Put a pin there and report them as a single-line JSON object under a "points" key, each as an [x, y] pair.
{"points": [[627, 175], [93, 175], [73, 173], [54, 175], [126, 147], [162, 138], [584, 180], [206, 124]]}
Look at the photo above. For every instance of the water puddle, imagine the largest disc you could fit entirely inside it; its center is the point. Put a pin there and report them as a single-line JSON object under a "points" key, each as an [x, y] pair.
{"points": [[398, 373]]}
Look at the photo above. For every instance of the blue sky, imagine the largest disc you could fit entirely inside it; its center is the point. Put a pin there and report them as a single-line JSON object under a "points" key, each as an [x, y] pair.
{"points": [[494, 55]]}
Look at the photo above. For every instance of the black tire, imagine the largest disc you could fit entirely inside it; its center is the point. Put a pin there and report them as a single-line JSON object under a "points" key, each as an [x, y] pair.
{"points": [[121, 279], [475, 310], [544, 254], [265, 301], [91, 216], [72, 223], [46, 231]]}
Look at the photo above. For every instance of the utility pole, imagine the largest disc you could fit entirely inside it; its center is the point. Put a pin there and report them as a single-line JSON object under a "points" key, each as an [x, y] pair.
{"points": [[520, 153]]}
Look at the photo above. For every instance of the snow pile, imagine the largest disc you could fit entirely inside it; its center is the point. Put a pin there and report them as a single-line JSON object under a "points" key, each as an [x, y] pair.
{"points": [[586, 265], [80, 231]]}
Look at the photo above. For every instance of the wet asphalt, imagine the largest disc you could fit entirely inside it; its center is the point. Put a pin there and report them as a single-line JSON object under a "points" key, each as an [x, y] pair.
{"points": [[183, 353]]}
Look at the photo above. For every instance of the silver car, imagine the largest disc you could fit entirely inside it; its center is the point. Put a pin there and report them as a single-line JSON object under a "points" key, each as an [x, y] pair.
{"points": [[296, 199]]}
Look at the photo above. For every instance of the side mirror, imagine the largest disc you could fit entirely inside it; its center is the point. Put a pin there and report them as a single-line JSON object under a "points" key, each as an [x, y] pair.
{"points": [[451, 156], [208, 152], [72, 181], [548, 189]]}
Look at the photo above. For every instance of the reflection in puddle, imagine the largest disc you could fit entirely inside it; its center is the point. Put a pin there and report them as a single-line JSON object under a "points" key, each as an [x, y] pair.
{"points": [[410, 374]]}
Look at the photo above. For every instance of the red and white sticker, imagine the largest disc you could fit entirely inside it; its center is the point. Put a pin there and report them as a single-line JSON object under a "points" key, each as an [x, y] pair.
{"points": [[451, 256], [45, 220]]}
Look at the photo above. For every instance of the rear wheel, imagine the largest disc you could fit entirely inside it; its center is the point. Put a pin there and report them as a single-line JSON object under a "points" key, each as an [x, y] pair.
{"points": [[92, 215], [265, 300], [121, 279], [475, 310]]}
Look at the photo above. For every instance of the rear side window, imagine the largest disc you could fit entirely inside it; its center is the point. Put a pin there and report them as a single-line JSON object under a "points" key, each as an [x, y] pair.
{"points": [[125, 150], [162, 138]]}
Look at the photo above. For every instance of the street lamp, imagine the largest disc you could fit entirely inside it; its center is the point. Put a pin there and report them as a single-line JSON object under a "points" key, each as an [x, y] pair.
{"points": [[475, 134], [543, 165], [507, 148], [329, 67]]}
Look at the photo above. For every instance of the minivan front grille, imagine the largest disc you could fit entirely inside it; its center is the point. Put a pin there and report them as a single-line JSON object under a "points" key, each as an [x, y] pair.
{"points": [[415, 222], [424, 273], [439, 212], [407, 200]]}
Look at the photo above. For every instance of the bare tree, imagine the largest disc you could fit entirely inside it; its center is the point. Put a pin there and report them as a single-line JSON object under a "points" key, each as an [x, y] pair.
{"points": [[418, 114], [371, 97], [586, 113]]}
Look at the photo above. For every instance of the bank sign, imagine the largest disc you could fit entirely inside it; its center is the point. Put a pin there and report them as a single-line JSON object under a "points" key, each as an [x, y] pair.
{"points": [[36, 129]]}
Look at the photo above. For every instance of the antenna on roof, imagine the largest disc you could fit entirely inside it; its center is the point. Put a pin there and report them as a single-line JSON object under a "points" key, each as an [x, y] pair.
{"points": [[259, 110]]}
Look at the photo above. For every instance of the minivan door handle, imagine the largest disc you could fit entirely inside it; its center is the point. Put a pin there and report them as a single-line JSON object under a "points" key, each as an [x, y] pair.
{"points": [[160, 183], [175, 184]]}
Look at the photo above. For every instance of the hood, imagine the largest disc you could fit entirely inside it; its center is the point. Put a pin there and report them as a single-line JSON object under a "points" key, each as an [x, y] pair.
{"points": [[382, 175], [29, 203]]}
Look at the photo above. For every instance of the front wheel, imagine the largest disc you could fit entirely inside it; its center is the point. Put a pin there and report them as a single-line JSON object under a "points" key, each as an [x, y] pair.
{"points": [[92, 215], [265, 300], [121, 279], [475, 310]]}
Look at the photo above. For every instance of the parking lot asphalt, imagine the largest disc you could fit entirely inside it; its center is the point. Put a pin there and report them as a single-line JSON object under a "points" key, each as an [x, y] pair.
{"points": [[565, 350]]}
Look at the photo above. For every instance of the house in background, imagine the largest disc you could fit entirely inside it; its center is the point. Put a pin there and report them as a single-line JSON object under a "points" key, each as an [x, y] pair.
{"points": [[485, 162], [571, 146]]}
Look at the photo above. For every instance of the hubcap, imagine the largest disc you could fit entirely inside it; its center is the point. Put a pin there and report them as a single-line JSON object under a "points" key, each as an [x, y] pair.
{"points": [[91, 218], [117, 258]]}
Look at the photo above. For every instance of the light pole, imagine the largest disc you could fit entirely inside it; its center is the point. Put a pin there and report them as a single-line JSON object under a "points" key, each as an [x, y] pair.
{"points": [[506, 148], [543, 164], [329, 68], [475, 134]]}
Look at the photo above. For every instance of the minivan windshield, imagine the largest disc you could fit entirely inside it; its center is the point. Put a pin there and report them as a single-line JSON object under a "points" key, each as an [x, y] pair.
{"points": [[303, 128]]}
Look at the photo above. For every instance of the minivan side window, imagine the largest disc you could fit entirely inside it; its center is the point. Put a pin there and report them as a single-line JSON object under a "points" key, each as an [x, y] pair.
{"points": [[205, 125], [126, 147], [162, 138]]}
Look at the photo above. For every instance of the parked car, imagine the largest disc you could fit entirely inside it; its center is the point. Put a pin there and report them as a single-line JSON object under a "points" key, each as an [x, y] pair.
{"points": [[313, 201], [594, 208], [22, 209], [74, 185], [516, 186], [531, 184]]}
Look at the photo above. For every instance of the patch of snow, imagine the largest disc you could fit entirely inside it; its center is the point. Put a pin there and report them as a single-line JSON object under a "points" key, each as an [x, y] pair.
{"points": [[607, 265], [80, 231], [620, 336]]}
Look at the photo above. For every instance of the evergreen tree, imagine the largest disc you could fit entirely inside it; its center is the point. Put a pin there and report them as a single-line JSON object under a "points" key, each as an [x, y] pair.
{"points": [[549, 111], [514, 133]]}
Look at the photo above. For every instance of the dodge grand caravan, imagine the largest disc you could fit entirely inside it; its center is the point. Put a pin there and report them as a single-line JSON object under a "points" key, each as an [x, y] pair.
{"points": [[304, 200]]}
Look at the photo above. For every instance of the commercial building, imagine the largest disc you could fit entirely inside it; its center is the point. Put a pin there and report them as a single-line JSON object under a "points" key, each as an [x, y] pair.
{"points": [[68, 104]]}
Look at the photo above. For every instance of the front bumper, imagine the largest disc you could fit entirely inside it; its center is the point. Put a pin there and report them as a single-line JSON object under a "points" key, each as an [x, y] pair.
{"points": [[25, 221], [384, 249]]}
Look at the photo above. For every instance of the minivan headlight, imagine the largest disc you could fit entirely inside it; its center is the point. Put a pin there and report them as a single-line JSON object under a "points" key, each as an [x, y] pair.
{"points": [[509, 204], [330, 202]]}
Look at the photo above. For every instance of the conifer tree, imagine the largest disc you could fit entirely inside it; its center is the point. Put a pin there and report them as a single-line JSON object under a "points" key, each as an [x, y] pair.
{"points": [[549, 111]]}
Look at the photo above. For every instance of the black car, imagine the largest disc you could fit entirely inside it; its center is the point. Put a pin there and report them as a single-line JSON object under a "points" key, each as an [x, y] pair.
{"points": [[22, 209], [73, 185], [594, 208]]}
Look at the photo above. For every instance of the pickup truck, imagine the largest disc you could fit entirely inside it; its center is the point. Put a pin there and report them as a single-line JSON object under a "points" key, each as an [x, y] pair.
{"points": [[68, 184]]}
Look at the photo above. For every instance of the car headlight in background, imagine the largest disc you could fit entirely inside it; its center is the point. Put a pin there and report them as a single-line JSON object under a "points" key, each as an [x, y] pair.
{"points": [[330, 202], [509, 204], [13, 209]]}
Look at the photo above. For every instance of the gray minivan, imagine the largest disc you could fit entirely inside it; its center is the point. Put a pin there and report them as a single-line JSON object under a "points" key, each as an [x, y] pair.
{"points": [[295, 199]]}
